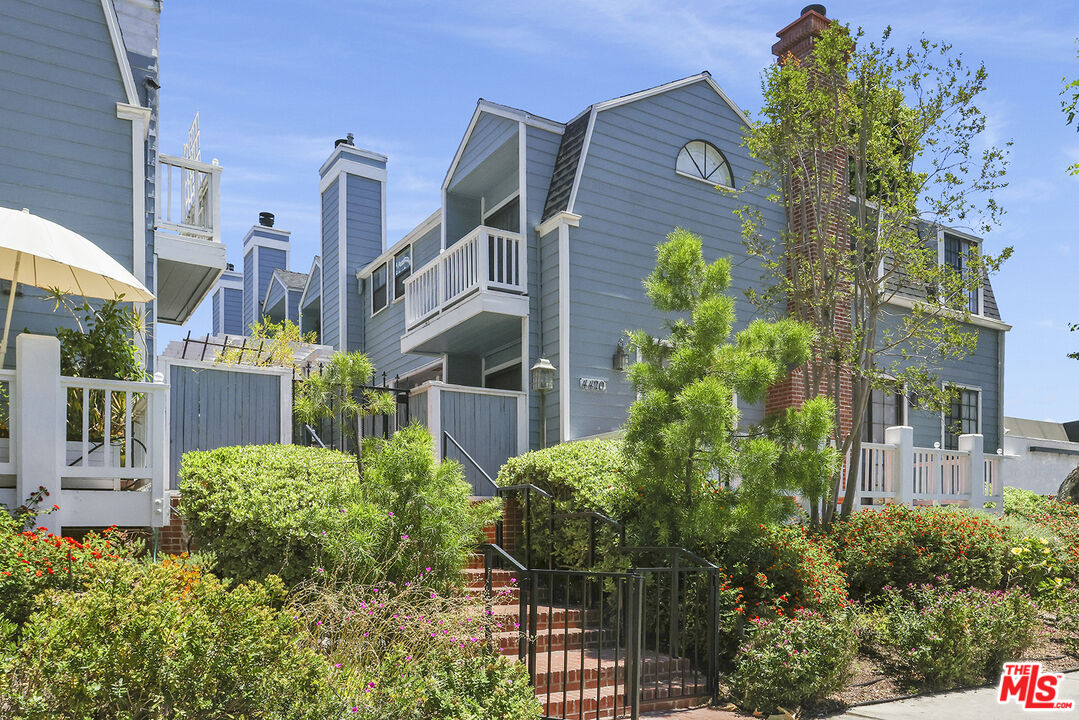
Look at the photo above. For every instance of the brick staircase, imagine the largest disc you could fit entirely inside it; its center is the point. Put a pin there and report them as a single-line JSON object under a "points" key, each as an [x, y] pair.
{"points": [[580, 674]]}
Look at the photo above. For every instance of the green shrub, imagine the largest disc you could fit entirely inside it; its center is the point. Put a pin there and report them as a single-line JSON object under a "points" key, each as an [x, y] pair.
{"points": [[1024, 503], [164, 640], [900, 545], [793, 661], [1032, 566], [31, 563], [407, 651], [589, 475], [296, 512], [784, 568], [940, 637]]}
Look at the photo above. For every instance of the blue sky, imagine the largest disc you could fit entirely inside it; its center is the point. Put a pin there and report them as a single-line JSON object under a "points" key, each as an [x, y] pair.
{"points": [[276, 81]]}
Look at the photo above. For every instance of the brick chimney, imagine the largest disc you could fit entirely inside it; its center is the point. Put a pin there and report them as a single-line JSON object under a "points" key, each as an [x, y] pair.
{"points": [[797, 40]]}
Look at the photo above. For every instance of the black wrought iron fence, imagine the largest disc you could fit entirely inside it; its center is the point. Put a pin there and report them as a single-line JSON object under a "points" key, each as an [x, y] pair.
{"points": [[341, 430]]}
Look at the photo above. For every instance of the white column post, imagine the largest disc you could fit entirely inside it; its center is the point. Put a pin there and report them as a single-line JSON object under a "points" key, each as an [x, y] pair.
{"points": [[975, 470], [434, 416], [902, 439], [158, 409], [40, 417], [286, 407]]}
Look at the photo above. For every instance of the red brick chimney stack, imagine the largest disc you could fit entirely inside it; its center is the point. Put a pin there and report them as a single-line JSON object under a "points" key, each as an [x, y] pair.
{"points": [[797, 40]]}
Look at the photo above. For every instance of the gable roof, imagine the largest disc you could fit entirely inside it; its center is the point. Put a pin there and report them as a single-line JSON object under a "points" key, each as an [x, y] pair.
{"points": [[291, 280], [574, 147]]}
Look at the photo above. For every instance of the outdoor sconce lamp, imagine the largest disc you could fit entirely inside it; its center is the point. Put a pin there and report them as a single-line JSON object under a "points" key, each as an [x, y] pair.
{"points": [[542, 375], [542, 378], [620, 359]]}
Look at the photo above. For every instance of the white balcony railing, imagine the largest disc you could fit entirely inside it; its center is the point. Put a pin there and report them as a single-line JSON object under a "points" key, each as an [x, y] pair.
{"points": [[897, 472], [98, 447], [189, 197], [485, 259]]}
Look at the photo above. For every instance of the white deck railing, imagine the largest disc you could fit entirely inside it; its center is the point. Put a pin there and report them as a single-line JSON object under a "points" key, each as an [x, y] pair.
{"points": [[898, 472], [99, 447], [189, 197], [485, 259]]}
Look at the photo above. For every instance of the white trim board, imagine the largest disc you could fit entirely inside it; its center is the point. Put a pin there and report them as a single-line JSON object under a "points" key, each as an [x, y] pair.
{"points": [[977, 320], [341, 149], [351, 167], [413, 235], [704, 76], [118, 47]]}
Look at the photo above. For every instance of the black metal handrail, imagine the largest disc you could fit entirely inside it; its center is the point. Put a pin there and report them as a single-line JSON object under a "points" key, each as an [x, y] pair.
{"points": [[314, 436], [490, 482]]}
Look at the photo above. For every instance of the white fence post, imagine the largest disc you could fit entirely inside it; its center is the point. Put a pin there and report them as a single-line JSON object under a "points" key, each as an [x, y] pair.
{"points": [[41, 417], [975, 470], [902, 439], [434, 416], [158, 417]]}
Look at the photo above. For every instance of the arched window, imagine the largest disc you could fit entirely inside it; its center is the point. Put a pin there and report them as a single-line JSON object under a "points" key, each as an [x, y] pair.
{"points": [[702, 160]]}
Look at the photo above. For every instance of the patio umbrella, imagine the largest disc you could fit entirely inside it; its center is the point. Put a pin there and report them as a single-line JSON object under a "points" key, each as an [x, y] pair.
{"points": [[35, 251]]}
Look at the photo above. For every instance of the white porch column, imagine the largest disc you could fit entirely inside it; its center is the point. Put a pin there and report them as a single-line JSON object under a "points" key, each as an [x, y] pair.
{"points": [[434, 415], [39, 420], [975, 469], [902, 439]]}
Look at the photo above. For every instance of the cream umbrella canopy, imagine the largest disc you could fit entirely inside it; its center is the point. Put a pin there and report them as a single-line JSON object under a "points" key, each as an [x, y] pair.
{"points": [[35, 251]]}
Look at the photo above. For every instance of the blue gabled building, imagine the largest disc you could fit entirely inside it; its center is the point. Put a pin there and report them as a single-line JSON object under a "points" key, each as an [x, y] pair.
{"points": [[537, 249], [79, 99]]}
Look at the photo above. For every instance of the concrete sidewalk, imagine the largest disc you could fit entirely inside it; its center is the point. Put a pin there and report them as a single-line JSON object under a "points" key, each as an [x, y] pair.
{"points": [[979, 704]]}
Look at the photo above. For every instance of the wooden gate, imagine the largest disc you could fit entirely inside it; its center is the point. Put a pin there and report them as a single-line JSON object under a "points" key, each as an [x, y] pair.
{"points": [[214, 405]]}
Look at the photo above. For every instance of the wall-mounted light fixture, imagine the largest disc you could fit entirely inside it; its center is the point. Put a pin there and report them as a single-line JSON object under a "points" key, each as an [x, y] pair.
{"points": [[620, 359]]}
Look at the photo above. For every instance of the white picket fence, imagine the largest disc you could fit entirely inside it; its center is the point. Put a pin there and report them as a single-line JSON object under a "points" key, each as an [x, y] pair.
{"points": [[99, 447], [898, 472]]}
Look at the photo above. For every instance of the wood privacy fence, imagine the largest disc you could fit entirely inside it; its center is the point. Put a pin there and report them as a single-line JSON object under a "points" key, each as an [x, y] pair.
{"points": [[217, 405]]}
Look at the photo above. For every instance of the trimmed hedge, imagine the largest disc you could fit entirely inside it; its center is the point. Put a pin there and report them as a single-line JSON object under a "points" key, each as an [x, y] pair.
{"points": [[298, 512]]}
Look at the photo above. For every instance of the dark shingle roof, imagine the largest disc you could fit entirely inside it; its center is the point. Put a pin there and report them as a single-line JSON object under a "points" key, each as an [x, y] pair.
{"points": [[292, 280], [990, 300], [565, 166]]}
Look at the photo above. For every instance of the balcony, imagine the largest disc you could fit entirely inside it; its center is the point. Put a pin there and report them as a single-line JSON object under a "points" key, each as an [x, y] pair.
{"points": [[187, 235], [472, 296]]}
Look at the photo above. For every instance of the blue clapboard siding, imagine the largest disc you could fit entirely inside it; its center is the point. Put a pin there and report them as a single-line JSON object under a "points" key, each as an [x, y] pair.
{"points": [[630, 198], [277, 291], [980, 369], [63, 152], [216, 306], [292, 308], [541, 149], [486, 428], [382, 332], [363, 228], [269, 259], [233, 318], [331, 331], [213, 408], [250, 303], [490, 133], [548, 302]]}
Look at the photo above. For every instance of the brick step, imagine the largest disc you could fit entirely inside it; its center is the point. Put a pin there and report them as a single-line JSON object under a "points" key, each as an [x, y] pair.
{"points": [[593, 705], [558, 619], [556, 640], [566, 671], [475, 578]]}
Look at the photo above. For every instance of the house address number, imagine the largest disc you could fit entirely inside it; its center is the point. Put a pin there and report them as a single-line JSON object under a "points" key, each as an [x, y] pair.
{"points": [[594, 384]]}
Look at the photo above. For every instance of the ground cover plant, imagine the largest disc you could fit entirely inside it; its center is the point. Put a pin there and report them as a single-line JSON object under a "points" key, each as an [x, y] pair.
{"points": [[411, 652], [900, 545], [792, 661], [164, 640], [940, 636]]}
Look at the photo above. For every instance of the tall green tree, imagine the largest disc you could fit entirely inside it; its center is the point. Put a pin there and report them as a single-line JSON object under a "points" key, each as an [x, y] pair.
{"points": [[909, 122], [682, 440]]}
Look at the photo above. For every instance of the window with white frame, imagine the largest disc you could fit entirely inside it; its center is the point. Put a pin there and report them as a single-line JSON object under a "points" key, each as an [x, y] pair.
{"points": [[958, 252], [402, 268], [701, 160], [962, 416], [379, 287], [885, 409]]}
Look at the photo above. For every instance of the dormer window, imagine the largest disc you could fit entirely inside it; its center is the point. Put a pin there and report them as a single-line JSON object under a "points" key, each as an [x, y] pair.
{"points": [[701, 160], [956, 253]]}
